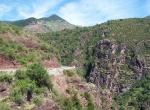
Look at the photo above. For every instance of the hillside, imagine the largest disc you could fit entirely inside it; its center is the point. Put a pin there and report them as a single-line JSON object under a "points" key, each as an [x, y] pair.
{"points": [[21, 48], [46, 24], [114, 56]]}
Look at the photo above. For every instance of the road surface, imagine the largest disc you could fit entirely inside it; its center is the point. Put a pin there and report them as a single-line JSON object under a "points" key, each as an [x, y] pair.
{"points": [[51, 71]]}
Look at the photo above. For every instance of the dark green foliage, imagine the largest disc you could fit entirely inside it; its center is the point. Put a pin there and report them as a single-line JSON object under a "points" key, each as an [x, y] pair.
{"points": [[37, 101], [37, 73], [72, 103], [6, 77], [14, 45], [75, 46], [21, 74], [24, 85], [34, 79], [25, 22], [70, 73], [76, 102], [17, 96], [136, 96]]}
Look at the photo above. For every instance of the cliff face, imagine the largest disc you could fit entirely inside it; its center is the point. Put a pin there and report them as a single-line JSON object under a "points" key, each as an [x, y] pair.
{"points": [[116, 66]]}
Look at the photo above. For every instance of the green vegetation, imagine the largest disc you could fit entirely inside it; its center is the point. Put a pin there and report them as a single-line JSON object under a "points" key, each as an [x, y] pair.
{"points": [[70, 73], [90, 105], [34, 79], [71, 103], [137, 97], [4, 106], [52, 23], [4, 77], [37, 101], [76, 47], [4, 28], [17, 45]]}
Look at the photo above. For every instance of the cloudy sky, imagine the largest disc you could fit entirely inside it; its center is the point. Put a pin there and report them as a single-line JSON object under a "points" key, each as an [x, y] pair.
{"points": [[79, 12]]}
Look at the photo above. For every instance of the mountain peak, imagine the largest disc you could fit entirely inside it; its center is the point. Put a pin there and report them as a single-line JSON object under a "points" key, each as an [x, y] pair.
{"points": [[53, 17]]}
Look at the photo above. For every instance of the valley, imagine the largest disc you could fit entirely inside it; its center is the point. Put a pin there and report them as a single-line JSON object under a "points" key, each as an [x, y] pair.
{"points": [[54, 65]]}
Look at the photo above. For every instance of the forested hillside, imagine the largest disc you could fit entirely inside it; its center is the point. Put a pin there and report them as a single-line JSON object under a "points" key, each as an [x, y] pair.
{"points": [[114, 56]]}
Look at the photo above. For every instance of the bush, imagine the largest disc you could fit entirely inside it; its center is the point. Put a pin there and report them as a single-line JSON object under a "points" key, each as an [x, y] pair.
{"points": [[69, 103], [4, 106], [69, 73], [24, 85], [40, 90], [17, 97], [37, 73], [37, 101], [6, 78], [20, 74]]}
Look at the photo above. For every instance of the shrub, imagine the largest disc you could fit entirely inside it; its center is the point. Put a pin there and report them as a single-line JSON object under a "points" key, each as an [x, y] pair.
{"points": [[69, 73], [20, 74], [37, 101], [70, 103], [40, 90], [6, 78], [17, 97], [24, 85], [37, 73]]}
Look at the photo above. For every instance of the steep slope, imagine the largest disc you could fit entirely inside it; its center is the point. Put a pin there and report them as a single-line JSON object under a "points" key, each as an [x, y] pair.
{"points": [[116, 57], [20, 48], [42, 25]]}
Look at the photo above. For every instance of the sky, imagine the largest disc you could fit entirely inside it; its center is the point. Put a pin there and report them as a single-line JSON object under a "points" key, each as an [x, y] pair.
{"points": [[78, 12]]}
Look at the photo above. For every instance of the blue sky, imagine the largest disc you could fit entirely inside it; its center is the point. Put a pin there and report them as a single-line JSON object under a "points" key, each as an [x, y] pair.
{"points": [[79, 12]]}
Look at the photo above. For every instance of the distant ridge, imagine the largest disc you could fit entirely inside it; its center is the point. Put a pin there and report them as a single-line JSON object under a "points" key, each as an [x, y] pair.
{"points": [[45, 24]]}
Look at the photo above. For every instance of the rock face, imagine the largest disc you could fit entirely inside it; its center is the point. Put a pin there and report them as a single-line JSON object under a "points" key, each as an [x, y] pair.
{"points": [[116, 67]]}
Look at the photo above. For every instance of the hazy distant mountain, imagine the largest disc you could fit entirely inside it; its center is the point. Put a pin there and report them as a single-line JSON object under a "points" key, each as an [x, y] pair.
{"points": [[46, 24]]}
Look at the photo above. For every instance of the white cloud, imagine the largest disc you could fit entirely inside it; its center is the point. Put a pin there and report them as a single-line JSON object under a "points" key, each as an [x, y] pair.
{"points": [[4, 9], [88, 12], [39, 9]]}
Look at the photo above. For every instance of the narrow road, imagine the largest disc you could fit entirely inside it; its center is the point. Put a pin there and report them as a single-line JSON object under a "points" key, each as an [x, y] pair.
{"points": [[51, 71], [58, 71]]}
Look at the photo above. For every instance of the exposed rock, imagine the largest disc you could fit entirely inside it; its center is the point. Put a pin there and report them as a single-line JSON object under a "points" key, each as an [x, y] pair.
{"points": [[116, 67], [3, 87]]}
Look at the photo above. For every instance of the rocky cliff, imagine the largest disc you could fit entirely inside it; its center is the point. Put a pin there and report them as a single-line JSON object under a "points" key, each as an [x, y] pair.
{"points": [[116, 66]]}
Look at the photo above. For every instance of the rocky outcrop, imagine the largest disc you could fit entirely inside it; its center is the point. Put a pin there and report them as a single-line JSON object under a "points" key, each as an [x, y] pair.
{"points": [[116, 66]]}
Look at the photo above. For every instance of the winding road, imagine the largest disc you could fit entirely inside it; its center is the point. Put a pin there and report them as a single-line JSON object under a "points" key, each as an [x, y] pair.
{"points": [[51, 71]]}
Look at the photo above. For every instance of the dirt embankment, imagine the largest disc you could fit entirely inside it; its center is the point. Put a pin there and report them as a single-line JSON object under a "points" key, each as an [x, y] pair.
{"points": [[6, 62]]}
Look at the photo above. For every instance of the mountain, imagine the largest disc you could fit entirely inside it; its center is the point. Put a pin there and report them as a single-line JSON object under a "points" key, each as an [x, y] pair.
{"points": [[114, 56], [112, 63], [42, 25], [18, 47]]}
